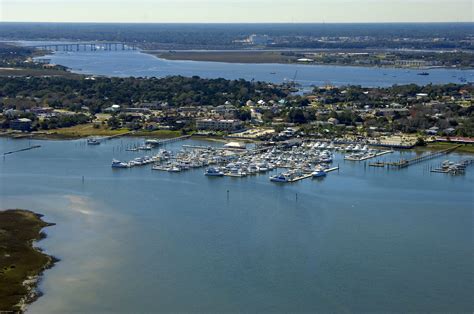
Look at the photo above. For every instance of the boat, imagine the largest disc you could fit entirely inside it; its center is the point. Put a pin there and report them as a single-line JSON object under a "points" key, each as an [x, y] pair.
{"points": [[319, 173], [174, 169], [280, 178], [423, 73], [93, 141], [236, 172], [118, 164], [213, 172], [145, 147]]}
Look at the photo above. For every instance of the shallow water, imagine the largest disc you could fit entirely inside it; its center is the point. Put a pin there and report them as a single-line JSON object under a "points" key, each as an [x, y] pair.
{"points": [[136, 240]]}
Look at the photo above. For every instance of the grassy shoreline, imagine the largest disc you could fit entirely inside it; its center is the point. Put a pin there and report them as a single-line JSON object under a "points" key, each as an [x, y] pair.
{"points": [[264, 57], [22, 264], [465, 148], [88, 130]]}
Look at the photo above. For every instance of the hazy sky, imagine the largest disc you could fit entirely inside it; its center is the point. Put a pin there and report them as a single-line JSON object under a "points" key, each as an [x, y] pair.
{"points": [[229, 11]]}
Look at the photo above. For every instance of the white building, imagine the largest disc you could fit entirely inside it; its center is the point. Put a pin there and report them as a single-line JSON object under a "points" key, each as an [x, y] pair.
{"points": [[218, 125]]}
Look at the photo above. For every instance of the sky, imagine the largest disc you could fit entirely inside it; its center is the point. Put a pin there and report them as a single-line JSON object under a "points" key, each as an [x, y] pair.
{"points": [[237, 11]]}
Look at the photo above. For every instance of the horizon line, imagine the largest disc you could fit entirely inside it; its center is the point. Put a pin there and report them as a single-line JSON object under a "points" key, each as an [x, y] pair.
{"points": [[237, 23]]}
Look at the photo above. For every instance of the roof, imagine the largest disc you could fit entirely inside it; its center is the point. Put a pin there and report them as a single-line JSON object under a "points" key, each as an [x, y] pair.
{"points": [[25, 120]]}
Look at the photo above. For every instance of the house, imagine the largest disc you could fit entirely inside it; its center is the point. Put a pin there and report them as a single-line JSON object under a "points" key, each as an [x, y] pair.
{"points": [[226, 110], [432, 131], [113, 108], [22, 124]]}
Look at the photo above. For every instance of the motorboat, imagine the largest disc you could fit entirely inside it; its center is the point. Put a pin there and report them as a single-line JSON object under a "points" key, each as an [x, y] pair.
{"points": [[213, 172]]}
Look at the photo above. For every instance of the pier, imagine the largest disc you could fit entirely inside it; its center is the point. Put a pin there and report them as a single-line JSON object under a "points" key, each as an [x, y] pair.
{"points": [[21, 150], [98, 140], [404, 163], [452, 168], [167, 141]]}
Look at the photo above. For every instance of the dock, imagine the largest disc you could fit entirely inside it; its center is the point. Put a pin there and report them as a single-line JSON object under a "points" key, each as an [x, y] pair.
{"points": [[331, 169], [404, 163], [159, 142], [370, 156], [21, 150], [99, 140], [454, 169]]}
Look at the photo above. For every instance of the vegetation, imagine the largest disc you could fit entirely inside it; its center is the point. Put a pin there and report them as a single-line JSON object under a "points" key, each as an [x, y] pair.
{"points": [[379, 58], [467, 148], [229, 56], [99, 93], [20, 261]]}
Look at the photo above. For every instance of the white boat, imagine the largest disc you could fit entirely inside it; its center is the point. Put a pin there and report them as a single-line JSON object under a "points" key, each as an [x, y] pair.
{"points": [[93, 141], [174, 169], [280, 178], [118, 164], [319, 173]]}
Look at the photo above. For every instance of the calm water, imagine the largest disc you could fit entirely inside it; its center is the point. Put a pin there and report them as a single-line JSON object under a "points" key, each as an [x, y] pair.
{"points": [[134, 63], [135, 240]]}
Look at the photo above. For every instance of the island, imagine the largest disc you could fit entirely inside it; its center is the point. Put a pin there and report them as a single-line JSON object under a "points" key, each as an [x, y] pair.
{"points": [[21, 264]]}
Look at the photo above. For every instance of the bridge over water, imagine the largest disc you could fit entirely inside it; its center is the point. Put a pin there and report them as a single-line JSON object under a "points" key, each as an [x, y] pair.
{"points": [[83, 46]]}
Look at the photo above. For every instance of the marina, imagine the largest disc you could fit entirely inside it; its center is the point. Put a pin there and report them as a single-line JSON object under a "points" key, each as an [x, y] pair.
{"points": [[301, 162], [117, 220], [293, 161], [453, 168]]}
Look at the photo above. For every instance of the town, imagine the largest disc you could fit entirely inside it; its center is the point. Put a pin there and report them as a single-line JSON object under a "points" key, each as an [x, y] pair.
{"points": [[83, 106]]}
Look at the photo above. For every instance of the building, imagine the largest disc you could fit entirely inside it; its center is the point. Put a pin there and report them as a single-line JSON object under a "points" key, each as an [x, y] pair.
{"points": [[218, 125], [227, 111], [255, 39], [22, 124]]}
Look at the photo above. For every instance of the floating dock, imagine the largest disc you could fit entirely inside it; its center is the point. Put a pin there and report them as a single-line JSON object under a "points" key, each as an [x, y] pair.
{"points": [[369, 156]]}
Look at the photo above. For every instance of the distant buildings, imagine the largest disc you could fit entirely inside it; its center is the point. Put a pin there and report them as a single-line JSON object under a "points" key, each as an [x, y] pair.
{"points": [[218, 125], [257, 40]]}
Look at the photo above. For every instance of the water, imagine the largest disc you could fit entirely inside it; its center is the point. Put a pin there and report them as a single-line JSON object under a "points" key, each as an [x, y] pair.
{"points": [[135, 63], [136, 240]]}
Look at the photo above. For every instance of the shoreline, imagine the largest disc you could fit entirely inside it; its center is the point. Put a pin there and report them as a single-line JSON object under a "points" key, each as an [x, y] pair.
{"points": [[465, 148], [24, 264], [268, 57]]}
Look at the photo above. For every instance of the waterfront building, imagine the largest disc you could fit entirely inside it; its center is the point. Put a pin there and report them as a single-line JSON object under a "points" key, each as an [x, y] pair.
{"points": [[218, 125], [22, 124]]}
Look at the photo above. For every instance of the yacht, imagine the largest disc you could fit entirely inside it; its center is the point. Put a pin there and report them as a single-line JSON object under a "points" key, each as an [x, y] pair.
{"points": [[174, 169], [213, 172], [280, 178], [118, 164], [319, 173]]}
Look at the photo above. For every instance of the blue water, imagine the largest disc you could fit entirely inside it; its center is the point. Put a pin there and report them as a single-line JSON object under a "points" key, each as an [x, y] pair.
{"points": [[136, 240], [134, 63]]}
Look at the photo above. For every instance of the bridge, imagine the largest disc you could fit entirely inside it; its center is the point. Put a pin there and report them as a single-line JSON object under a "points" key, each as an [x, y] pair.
{"points": [[95, 46]]}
